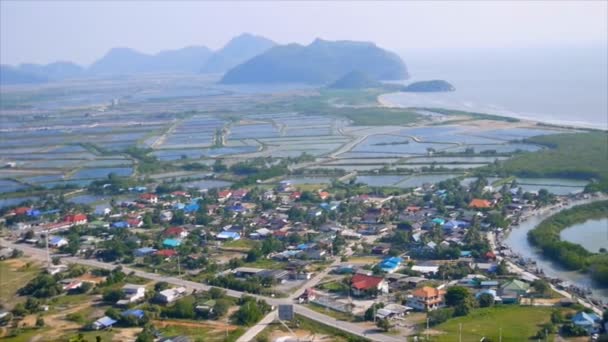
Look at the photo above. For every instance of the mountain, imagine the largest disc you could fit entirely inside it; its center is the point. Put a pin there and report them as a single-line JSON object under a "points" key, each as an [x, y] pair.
{"points": [[320, 62], [237, 51], [429, 86], [128, 61], [355, 80], [54, 71], [12, 76]]}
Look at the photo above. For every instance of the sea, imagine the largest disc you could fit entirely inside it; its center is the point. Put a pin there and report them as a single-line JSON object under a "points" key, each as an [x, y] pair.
{"points": [[558, 85]]}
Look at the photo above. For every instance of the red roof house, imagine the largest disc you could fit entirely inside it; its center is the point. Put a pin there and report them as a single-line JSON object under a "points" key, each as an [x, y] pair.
{"points": [[76, 219], [176, 232], [21, 210], [167, 253], [362, 284], [149, 198], [224, 195], [478, 203]]}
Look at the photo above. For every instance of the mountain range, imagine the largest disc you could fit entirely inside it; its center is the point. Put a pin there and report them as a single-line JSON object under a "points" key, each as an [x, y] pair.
{"points": [[244, 59], [320, 62]]}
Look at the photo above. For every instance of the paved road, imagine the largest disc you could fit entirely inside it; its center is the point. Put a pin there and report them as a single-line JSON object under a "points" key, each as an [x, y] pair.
{"points": [[351, 328], [250, 334]]}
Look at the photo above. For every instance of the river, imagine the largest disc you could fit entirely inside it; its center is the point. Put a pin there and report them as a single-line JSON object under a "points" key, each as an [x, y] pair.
{"points": [[517, 240]]}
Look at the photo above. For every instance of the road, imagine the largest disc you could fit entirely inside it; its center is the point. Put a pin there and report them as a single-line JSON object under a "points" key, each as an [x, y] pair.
{"points": [[371, 334]]}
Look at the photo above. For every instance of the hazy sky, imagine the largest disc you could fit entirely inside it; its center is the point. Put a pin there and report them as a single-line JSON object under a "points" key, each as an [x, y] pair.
{"points": [[83, 31]]}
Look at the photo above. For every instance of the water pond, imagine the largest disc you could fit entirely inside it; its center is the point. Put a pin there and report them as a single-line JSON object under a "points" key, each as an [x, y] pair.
{"points": [[592, 234]]}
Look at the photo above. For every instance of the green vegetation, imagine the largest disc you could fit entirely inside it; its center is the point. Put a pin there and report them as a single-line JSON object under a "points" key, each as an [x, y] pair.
{"points": [[579, 155], [473, 115], [319, 328], [13, 277], [572, 256], [518, 323], [429, 86]]}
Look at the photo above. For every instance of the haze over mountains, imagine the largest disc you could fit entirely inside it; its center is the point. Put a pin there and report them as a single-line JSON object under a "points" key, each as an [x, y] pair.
{"points": [[244, 59]]}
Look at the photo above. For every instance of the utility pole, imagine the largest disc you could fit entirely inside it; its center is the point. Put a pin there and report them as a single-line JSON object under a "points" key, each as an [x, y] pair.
{"points": [[427, 327], [179, 270], [48, 257], [460, 332], [500, 335]]}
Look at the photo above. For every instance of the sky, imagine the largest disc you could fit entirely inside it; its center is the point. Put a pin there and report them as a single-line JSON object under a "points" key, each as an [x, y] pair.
{"points": [[83, 31]]}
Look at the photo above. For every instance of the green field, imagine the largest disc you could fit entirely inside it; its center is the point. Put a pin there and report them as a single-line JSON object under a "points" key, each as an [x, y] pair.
{"points": [[14, 274], [579, 156], [518, 323]]}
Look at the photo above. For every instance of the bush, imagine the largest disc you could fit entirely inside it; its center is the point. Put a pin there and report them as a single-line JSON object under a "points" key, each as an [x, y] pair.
{"points": [[440, 315]]}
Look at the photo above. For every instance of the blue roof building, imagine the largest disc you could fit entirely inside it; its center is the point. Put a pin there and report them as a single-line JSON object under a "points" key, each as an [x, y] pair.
{"points": [[438, 221], [588, 321], [192, 207], [133, 312], [227, 235], [391, 264], [120, 224], [144, 251], [172, 243]]}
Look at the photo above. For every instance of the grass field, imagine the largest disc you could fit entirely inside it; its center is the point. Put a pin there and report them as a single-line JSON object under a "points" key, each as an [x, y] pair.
{"points": [[14, 274], [200, 331], [518, 323]]}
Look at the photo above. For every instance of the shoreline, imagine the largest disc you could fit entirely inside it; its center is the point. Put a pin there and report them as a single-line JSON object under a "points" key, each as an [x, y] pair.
{"points": [[514, 258], [383, 102]]}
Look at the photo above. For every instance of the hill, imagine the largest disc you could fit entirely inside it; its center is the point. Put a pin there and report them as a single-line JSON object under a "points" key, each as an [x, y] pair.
{"points": [[128, 61], [54, 71], [13, 76], [237, 51], [429, 86], [320, 62], [355, 80]]}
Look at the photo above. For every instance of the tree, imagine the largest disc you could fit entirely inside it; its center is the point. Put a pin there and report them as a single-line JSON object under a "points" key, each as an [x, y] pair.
{"points": [[39, 322], [112, 295], [221, 307], [371, 311], [216, 293], [541, 286], [146, 335], [486, 300], [160, 286], [456, 295], [384, 324]]}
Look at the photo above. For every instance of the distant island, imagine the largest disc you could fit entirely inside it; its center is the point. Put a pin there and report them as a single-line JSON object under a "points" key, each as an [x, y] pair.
{"points": [[429, 86], [320, 62]]}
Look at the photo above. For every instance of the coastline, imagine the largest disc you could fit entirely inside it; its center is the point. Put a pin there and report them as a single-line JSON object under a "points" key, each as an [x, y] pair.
{"points": [[383, 102], [554, 274]]}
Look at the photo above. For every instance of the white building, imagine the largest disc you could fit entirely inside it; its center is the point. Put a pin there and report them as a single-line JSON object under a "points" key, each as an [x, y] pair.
{"points": [[171, 295]]}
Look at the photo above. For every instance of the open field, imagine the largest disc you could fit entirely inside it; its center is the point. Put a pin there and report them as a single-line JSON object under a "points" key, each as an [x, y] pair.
{"points": [[14, 273], [518, 323]]}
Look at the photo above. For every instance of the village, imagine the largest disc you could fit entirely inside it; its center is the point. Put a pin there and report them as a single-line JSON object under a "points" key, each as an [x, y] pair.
{"points": [[393, 265]]}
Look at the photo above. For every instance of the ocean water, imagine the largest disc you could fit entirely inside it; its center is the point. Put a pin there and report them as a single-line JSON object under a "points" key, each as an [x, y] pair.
{"points": [[566, 85]]}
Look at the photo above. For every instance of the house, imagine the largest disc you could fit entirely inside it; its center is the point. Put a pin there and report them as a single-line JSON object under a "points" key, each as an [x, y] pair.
{"points": [[166, 253], [224, 195], [362, 284], [141, 252], [76, 219], [120, 225], [103, 323], [511, 291], [477, 203], [323, 195], [588, 321], [172, 243], [239, 194], [171, 295], [390, 265], [391, 311], [381, 249], [139, 314], [149, 198], [133, 293], [426, 298], [490, 292], [176, 232], [135, 223], [228, 236], [246, 272], [57, 242]]}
